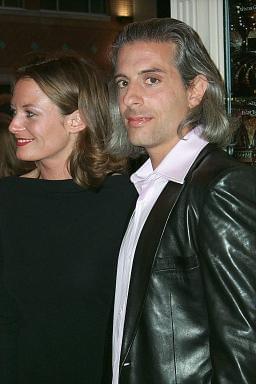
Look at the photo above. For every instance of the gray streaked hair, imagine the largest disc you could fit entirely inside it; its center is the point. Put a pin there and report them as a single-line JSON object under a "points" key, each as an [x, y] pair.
{"points": [[191, 59]]}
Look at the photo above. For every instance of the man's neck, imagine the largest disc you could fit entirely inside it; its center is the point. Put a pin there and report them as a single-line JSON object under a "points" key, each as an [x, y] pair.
{"points": [[157, 155]]}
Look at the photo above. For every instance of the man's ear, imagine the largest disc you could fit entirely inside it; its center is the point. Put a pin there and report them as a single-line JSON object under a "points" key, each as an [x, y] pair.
{"points": [[196, 90], [74, 123]]}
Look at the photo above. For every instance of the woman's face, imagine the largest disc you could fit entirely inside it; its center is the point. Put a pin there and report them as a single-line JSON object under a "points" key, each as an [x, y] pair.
{"points": [[40, 129]]}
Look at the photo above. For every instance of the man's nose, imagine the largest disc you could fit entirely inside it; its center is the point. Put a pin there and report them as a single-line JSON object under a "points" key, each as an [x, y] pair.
{"points": [[133, 95]]}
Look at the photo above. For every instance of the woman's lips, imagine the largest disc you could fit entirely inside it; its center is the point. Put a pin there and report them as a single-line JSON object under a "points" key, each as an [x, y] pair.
{"points": [[21, 142]]}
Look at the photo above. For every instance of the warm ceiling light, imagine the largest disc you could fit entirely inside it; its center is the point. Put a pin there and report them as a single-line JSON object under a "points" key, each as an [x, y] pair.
{"points": [[124, 8]]}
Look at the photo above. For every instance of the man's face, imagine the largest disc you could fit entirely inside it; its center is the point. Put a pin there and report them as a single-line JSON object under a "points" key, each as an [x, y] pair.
{"points": [[152, 97]]}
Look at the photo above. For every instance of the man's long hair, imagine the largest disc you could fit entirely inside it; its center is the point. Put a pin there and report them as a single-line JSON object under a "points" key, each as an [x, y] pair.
{"points": [[191, 59]]}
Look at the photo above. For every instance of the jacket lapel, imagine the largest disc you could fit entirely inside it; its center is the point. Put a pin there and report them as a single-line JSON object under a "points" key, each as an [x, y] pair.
{"points": [[144, 259], [146, 251]]}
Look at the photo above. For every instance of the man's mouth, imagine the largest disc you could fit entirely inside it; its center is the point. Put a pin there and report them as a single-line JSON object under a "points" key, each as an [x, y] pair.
{"points": [[137, 121]]}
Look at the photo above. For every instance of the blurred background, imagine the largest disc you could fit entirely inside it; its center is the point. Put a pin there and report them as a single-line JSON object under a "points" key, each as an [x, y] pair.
{"points": [[227, 28], [85, 26]]}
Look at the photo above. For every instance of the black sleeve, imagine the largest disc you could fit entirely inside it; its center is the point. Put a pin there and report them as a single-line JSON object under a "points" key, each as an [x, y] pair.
{"points": [[8, 336], [227, 231]]}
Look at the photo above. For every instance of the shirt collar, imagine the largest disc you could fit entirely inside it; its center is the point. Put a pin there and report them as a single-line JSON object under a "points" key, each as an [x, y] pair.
{"points": [[176, 164]]}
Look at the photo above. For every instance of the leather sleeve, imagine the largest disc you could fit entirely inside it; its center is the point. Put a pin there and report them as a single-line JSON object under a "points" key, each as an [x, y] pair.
{"points": [[227, 249]]}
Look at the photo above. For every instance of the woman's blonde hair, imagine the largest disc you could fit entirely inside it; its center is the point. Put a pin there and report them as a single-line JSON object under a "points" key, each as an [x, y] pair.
{"points": [[72, 83]]}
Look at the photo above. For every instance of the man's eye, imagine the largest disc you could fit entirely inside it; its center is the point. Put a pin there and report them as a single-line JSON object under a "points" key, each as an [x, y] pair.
{"points": [[121, 83], [152, 81]]}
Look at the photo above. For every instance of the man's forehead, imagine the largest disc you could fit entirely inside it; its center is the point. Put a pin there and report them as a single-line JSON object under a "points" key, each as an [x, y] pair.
{"points": [[146, 56], [150, 43]]}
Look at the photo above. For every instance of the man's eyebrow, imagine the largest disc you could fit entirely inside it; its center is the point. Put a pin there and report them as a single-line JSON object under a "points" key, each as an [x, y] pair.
{"points": [[119, 75], [142, 72], [152, 70]]}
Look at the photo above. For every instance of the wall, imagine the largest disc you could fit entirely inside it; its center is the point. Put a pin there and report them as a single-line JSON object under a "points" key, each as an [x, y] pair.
{"points": [[206, 17], [32, 30], [144, 9]]}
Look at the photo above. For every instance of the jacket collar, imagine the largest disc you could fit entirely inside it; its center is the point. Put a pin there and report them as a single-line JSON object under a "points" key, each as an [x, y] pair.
{"points": [[176, 164]]}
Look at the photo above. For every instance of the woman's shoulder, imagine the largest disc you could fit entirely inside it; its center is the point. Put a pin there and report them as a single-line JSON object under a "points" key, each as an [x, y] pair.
{"points": [[120, 185], [8, 186], [8, 180], [119, 181]]}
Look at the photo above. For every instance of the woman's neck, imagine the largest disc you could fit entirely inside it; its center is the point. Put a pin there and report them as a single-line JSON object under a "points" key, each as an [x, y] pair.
{"points": [[46, 173]]}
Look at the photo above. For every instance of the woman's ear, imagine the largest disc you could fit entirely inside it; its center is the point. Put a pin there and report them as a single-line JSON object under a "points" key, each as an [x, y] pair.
{"points": [[196, 90], [74, 123]]}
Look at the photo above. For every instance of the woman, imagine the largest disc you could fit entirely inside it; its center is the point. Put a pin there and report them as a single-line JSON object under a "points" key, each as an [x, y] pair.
{"points": [[60, 227]]}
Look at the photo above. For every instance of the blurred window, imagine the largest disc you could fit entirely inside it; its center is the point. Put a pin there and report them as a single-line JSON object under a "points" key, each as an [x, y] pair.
{"points": [[81, 6], [11, 3]]}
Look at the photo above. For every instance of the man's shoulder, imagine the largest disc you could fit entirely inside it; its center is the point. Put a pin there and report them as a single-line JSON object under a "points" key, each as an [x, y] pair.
{"points": [[215, 168], [213, 161]]}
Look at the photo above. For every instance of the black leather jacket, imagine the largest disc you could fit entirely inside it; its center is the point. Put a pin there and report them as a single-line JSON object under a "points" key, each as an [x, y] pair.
{"points": [[191, 311]]}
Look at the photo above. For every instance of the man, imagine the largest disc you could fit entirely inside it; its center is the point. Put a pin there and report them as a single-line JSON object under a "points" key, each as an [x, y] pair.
{"points": [[186, 280]]}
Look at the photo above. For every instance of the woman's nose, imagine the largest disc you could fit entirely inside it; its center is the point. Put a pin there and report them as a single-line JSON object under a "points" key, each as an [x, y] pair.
{"points": [[16, 125]]}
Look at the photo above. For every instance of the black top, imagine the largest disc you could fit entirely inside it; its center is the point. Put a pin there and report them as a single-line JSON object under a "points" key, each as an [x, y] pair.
{"points": [[59, 245]]}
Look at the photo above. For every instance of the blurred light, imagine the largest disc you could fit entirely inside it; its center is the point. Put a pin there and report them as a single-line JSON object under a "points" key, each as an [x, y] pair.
{"points": [[123, 8]]}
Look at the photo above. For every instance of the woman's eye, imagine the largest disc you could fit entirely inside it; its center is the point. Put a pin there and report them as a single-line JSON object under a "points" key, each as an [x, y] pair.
{"points": [[152, 81], [121, 83], [12, 112], [29, 114]]}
